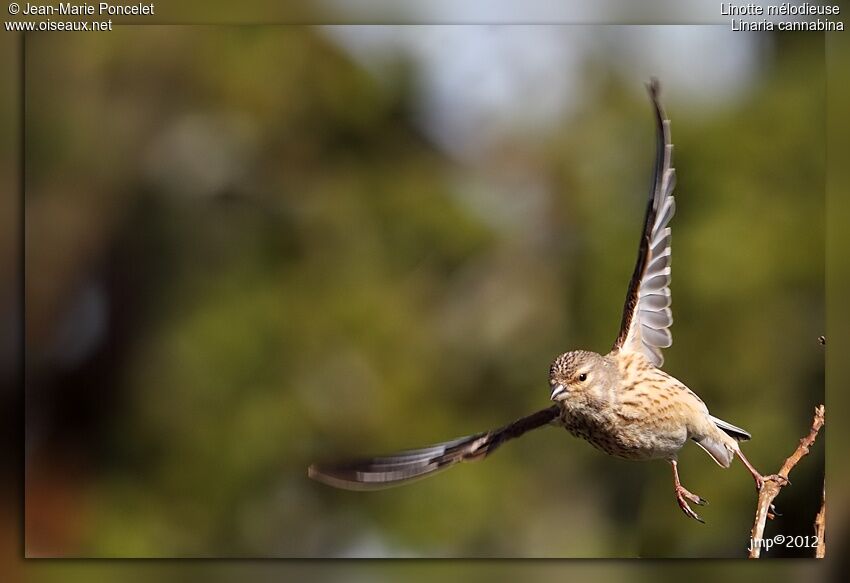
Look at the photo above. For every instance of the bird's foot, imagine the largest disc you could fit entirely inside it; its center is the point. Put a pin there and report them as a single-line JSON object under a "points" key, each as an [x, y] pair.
{"points": [[683, 496], [778, 478], [772, 512]]}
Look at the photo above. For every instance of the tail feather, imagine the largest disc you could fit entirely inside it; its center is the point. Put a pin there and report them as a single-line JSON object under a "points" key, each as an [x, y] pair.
{"points": [[721, 446], [720, 451], [731, 430]]}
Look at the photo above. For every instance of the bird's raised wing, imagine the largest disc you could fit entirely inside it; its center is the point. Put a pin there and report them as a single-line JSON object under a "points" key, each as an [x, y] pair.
{"points": [[646, 315], [384, 472]]}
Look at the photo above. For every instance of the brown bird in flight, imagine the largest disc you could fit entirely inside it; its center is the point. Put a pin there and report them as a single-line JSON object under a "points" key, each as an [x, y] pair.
{"points": [[622, 402]]}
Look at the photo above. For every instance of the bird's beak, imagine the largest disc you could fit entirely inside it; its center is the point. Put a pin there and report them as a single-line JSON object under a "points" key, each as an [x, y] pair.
{"points": [[557, 390]]}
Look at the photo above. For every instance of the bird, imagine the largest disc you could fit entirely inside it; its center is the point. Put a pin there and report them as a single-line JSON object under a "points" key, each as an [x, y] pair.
{"points": [[622, 402]]}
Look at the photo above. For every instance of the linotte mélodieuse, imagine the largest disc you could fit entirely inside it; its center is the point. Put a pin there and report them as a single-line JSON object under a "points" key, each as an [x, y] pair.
{"points": [[784, 9]]}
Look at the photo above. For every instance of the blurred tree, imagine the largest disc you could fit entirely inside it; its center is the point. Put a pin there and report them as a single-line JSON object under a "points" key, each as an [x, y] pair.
{"points": [[289, 270]]}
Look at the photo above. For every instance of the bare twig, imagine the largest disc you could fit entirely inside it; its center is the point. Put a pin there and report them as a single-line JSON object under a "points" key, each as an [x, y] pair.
{"points": [[772, 486], [820, 527]]}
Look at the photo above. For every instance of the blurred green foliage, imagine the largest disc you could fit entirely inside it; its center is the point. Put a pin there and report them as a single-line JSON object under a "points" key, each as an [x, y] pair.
{"points": [[295, 273]]}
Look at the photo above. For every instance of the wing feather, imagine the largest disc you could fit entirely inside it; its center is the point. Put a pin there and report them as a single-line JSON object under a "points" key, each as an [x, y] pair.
{"points": [[645, 327], [394, 470], [657, 319]]}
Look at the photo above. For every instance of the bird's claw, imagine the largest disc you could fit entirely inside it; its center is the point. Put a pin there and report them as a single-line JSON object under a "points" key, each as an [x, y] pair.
{"points": [[783, 480], [778, 478], [772, 512], [683, 496]]}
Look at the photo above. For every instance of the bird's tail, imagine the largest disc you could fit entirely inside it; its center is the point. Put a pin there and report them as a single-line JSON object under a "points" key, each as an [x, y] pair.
{"points": [[722, 446], [731, 430], [394, 470]]}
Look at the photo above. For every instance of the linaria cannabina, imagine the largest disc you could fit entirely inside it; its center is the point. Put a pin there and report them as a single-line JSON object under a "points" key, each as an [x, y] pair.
{"points": [[621, 403]]}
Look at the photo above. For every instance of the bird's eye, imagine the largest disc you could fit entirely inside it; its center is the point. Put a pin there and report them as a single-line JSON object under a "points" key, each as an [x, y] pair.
{"points": [[582, 377]]}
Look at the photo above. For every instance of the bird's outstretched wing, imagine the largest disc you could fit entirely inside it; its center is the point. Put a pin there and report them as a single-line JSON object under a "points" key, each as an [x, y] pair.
{"points": [[394, 470], [646, 315]]}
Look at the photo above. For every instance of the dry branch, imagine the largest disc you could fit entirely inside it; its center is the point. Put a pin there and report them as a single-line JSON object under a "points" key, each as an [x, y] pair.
{"points": [[820, 527], [774, 484]]}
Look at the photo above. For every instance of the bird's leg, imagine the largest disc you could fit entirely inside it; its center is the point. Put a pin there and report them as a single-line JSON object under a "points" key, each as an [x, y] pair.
{"points": [[683, 495], [760, 480]]}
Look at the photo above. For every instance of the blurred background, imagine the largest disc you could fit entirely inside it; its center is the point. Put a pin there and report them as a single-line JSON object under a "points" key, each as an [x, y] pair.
{"points": [[250, 248]]}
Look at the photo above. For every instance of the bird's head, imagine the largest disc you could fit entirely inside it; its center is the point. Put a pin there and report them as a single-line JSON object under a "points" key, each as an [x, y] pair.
{"points": [[578, 374]]}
